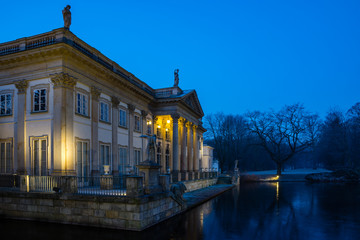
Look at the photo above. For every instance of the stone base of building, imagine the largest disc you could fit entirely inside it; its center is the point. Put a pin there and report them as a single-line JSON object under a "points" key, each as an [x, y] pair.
{"points": [[107, 212]]}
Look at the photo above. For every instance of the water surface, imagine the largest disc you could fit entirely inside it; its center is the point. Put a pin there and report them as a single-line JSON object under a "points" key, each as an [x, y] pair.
{"points": [[250, 211]]}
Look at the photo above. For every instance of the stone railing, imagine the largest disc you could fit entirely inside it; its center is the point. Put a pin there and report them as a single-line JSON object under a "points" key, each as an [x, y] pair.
{"points": [[190, 176]]}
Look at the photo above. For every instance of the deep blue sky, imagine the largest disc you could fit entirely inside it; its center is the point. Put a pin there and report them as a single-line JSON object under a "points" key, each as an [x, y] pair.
{"points": [[239, 55]]}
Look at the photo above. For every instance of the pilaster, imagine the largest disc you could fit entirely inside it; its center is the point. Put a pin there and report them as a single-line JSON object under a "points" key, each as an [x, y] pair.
{"points": [[115, 122], [184, 165], [176, 164], [131, 109], [19, 143], [63, 122], [195, 149], [95, 94], [190, 146]]}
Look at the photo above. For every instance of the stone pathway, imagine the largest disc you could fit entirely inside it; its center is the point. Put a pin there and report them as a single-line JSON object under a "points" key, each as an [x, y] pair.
{"points": [[197, 197]]}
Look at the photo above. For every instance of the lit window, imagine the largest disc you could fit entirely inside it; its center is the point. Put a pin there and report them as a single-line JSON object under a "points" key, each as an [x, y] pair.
{"points": [[104, 112], [82, 104], [39, 100], [122, 118], [5, 104]]}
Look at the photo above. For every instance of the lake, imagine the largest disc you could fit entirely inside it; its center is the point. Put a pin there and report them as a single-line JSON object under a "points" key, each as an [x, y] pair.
{"points": [[250, 211]]}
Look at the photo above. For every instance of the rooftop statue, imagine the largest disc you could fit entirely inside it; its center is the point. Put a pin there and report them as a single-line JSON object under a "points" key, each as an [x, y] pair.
{"points": [[67, 17], [176, 77]]}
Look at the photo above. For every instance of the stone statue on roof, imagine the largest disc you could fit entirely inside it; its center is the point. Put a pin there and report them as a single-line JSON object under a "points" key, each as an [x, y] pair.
{"points": [[67, 17], [176, 77]]}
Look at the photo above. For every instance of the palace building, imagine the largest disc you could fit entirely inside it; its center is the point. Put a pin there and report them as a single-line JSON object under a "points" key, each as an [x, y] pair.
{"points": [[66, 109]]}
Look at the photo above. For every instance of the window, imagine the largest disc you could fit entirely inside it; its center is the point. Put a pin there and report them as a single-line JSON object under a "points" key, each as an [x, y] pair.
{"points": [[122, 118], [40, 100], [6, 161], [167, 158], [104, 156], [5, 104], [158, 132], [83, 160], [137, 156], [158, 153], [123, 160], [137, 123], [82, 104], [39, 156], [167, 135], [104, 112], [149, 127]]}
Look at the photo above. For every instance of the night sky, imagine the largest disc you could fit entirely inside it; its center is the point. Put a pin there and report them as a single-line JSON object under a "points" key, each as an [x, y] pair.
{"points": [[239, 55]]}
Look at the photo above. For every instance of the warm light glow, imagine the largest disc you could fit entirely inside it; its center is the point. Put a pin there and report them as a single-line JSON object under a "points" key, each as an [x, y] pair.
{"points": [[148, 122], [277, 191], [159, 126], [167, 129], [168, 121]]}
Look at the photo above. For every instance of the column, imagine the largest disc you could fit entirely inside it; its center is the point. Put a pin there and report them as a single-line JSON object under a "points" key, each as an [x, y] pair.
{"points": [[63, 121], [131, 109], [184, 165], [144, 132], [195, 149], [115, 122], [189, 147], [19, 143], [95, 94], [175, 142]]}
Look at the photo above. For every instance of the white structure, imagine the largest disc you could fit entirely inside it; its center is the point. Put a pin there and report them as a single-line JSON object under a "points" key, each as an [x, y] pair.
{"points": [[208, 157], [66, 109]]}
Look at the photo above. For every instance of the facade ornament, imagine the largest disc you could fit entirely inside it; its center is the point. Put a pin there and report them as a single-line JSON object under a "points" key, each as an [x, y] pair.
{"points": [[175, 116], [144, 113], [176, 77], [115, 101], [63, 80], [67, 17], [131, 108], [95, 92], [21, 86]]}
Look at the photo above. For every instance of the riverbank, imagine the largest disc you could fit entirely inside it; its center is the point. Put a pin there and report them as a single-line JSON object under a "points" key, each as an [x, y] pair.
{"points": [[197, 197], [297, 175]]}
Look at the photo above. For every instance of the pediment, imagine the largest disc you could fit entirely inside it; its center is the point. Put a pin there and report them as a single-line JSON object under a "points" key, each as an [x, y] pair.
{"points": [[192, 101]]}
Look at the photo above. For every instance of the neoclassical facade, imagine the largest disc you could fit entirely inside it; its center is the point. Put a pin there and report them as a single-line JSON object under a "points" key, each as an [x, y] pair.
{"points": [[66, 109]]}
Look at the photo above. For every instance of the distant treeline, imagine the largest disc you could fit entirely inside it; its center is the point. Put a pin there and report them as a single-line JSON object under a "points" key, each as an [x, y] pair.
{"points": [[289, 138]]}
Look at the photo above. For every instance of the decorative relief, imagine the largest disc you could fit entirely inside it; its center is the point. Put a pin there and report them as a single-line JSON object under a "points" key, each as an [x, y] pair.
{"points": [[95, 93], [175, 116], [131, 108], [144, 113], [21, 86], [115, 101], [63, 80]]}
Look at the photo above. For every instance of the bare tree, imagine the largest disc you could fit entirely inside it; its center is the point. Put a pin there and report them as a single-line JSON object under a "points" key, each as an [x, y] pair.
{"points": [[282, 134]]}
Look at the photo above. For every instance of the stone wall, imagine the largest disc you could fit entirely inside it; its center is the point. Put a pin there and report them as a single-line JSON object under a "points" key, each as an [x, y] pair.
{"points": [[197, 184], [109, 212]]}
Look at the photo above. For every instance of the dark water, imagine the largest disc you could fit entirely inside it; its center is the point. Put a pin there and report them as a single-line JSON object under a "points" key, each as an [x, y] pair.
{"points": [[251, 211]]}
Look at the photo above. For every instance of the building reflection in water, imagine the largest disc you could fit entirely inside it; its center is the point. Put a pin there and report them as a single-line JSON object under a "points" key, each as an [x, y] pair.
{"points": [[250, 211]]}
